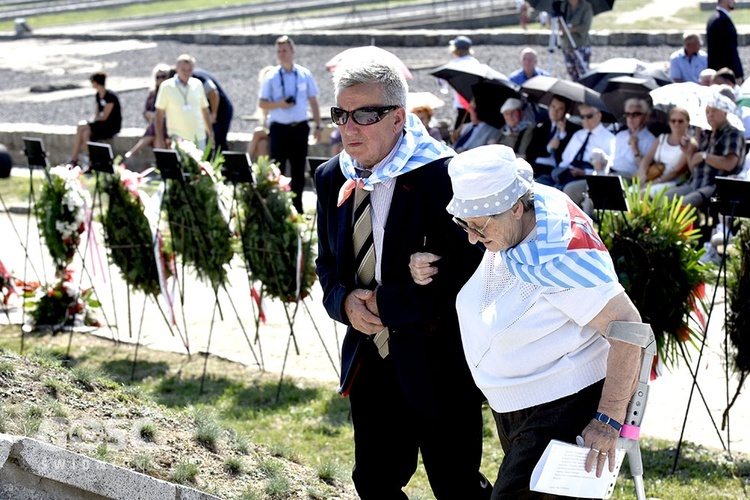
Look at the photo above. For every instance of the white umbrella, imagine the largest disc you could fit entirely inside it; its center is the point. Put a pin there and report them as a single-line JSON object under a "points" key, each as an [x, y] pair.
{"points": [[693, 98], [427, 99]]}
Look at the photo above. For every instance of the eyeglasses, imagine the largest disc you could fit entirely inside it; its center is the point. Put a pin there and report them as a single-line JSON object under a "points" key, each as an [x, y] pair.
{"points": [[471, 229], [588, 116], [361, 116], [634, 114], [677, 120]]}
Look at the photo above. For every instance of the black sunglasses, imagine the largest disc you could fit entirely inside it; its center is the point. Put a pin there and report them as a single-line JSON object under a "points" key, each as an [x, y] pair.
{"points": [[471, 229], [588, 116], [634, 113], [361, 116]]}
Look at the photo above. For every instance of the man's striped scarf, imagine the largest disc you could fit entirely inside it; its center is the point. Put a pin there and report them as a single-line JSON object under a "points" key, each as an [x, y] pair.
{"points": [[416, 148], [567, 252]]}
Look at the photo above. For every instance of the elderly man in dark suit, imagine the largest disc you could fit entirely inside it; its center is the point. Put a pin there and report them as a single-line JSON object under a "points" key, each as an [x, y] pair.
{"points": [[403, 368], [721, 38]]}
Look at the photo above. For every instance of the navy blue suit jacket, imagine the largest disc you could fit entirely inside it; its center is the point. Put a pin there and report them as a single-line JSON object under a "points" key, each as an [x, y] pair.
{"points": [[721, 40], [424, 336]]}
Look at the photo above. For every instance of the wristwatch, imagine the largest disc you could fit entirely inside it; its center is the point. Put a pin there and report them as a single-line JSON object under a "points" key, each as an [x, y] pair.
{"points": [[704, 155]]}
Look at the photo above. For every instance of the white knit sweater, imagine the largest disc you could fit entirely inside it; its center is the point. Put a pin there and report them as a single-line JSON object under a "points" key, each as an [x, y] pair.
{"points": [[527, 344]]}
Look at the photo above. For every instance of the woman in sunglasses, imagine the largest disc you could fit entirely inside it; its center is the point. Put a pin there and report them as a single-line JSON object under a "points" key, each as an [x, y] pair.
{"points": [[160, 73], [534, 313], [669, 151]]}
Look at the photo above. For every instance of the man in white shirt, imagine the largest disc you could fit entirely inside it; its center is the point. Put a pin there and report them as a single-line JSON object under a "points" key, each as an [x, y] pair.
{"points": [[579, 158], [633, 142], [462, 52]]}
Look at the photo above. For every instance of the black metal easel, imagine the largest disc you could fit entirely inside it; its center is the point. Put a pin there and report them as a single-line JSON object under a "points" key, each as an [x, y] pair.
{"points": [[732, 198]]}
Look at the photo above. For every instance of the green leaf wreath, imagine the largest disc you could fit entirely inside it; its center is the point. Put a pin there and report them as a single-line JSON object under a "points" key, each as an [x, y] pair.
{"points": [[738, 298], [198, 223], [277, 240], [656, 255], [128, 234]]}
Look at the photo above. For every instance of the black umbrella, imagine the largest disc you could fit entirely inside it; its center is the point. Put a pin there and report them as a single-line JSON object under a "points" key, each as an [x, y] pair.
{"points": [[543, 88], [598, 6], [597, 77], [461, 75], [621, 88], [489, 97]]}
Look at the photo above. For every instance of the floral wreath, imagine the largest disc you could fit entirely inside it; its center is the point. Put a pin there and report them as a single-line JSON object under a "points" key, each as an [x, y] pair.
{"points": [[656, 255], [278, 242], [62, 209], [197, 215], [129, 237]]}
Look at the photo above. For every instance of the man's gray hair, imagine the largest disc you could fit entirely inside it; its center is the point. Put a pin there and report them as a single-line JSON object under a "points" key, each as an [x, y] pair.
{"points": [[357, 72], [527, 200], [641, 103]]}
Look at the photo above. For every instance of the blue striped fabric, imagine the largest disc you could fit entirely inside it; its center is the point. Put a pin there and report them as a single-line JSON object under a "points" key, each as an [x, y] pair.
{"points": [[417, 148], [567, 252]]}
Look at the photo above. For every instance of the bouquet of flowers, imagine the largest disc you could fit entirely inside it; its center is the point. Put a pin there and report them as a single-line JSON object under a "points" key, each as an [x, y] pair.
{"points": [[656, 255], [129, 236], [62, 210], [198, 219], [278, 242], [63, 304]]}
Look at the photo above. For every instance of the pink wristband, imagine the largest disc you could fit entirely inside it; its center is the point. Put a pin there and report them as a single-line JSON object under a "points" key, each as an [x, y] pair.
{"points": [[630, 432]]}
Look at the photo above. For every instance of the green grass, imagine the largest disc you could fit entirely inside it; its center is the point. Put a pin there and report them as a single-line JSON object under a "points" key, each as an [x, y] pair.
{"points": [[314, 420], [184, 473]]}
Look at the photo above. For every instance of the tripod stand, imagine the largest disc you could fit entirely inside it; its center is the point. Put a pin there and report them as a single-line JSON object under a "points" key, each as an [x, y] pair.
{"points": [[557, 23]]}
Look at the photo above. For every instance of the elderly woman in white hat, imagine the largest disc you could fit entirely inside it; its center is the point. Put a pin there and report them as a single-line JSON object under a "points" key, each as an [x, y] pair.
{"points": [[533, 315]]}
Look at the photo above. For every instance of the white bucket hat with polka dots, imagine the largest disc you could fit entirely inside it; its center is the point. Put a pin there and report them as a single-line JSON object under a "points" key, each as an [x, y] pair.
{"points": [[487, 180]]}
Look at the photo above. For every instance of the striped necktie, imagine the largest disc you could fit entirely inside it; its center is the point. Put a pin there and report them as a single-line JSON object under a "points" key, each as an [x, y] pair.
{"points": [[364, 255]]}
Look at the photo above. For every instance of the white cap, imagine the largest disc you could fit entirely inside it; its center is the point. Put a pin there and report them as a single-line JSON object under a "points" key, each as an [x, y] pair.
{"points": [[487, 180], [510, 104]]}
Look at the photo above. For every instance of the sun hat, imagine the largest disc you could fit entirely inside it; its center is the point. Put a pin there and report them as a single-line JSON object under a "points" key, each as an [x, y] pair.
{"points": [[510, 104], [721, 102], [487, 180]]}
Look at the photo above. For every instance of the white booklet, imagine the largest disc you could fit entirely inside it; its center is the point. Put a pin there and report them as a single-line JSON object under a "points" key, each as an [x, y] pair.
{"points": [[561, 471]]}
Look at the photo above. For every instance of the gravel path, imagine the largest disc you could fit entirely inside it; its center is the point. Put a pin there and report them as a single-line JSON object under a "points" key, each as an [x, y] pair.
{"points": [[24, 63]]}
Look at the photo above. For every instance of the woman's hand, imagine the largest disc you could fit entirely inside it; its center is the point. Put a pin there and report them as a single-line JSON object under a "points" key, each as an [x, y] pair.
{"points": [[602, 439], [421, 268]]}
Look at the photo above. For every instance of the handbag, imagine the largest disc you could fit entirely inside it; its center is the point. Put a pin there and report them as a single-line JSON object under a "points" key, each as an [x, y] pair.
{"points": [[656, 168]]}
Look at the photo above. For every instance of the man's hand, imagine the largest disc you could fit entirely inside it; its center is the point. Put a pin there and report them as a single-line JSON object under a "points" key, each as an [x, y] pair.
{"points": [[421, 268], [359, 314]]}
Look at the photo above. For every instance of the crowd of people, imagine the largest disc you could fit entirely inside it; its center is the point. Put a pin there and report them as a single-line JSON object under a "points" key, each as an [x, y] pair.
{"points": [[521, 310], [465, 264]]}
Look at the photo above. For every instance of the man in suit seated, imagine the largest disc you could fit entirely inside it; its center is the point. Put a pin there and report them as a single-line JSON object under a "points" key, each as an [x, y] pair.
{"points": [[588, 151], [477, 132], [550, 137]]}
